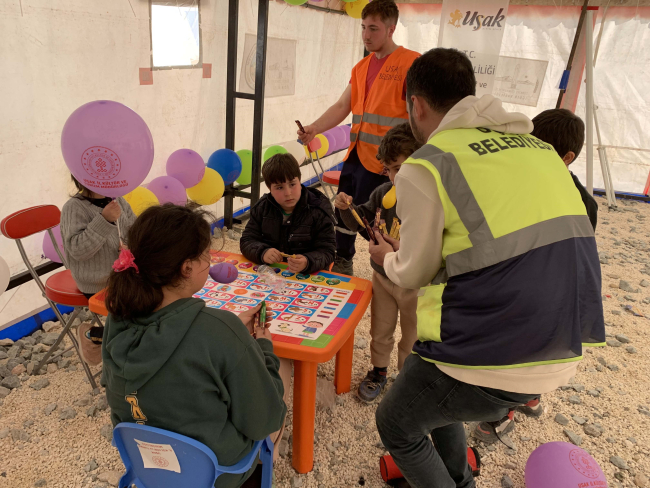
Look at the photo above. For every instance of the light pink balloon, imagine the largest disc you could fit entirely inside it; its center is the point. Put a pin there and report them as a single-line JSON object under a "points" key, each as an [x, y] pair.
{"points": [[346, 129], [563, 465], [107, 147], [48, 248], [186, 166], [168, 190]]}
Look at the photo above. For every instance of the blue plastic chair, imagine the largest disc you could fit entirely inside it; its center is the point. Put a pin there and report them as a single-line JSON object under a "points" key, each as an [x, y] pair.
{"points": [[199, 466]]}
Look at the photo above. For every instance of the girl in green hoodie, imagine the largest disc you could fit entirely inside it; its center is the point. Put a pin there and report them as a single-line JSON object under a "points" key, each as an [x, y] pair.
{"points": [[173, 363]]}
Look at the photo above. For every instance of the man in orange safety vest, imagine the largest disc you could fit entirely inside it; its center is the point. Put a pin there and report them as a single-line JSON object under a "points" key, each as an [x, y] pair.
{"points": [[376, 96]]}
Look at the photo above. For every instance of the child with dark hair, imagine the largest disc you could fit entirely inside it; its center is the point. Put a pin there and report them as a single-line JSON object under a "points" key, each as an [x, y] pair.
{"points": [[291, 219], [173, 363], [91, 242], [388, 299], [565, 131]]}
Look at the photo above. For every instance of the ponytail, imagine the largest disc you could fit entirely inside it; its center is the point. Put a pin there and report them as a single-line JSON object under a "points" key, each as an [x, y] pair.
{"points": [[161, 240]]}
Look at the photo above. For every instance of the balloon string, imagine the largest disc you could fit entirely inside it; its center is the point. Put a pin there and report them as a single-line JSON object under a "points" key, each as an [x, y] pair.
{"points": [[119, 233]]}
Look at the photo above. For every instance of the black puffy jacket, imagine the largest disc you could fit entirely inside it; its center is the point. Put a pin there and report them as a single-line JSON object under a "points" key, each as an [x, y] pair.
{"points": [[308, 231]]}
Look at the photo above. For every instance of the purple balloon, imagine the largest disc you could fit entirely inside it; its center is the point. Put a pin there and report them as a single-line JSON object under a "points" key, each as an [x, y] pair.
{"points": [[346, 130], [48, 247], [168, 190], [562, 465], [339, 136], [224, 272], [107, 147], [186, 166]]}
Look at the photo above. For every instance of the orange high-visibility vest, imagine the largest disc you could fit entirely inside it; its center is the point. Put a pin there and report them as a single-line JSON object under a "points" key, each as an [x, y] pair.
{"points": [[384, 108]]}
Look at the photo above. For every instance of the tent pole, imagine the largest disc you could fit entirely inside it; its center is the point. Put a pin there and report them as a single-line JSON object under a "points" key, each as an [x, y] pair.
{"points": [[574, 47], [231, 102], [589, 39]]}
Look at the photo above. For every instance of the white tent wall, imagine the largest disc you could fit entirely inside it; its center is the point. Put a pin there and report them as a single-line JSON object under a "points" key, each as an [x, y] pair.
{"points": [[58, 55], [621, 75]]}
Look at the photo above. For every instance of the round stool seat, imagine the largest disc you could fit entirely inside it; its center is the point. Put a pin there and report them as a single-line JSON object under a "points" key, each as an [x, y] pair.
{"points": [[332, 177], [61, 288]]}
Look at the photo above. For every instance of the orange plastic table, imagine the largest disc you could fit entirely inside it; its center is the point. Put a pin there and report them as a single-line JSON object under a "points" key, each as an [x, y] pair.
{"points": [[307, 354]]}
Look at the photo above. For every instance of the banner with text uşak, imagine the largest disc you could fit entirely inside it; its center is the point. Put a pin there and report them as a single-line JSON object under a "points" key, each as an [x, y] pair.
{"points": [[476, 28]]}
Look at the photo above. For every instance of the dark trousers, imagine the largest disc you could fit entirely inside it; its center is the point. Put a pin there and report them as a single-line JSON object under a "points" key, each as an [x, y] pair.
{"points": [[425, 402], [357, 182]]}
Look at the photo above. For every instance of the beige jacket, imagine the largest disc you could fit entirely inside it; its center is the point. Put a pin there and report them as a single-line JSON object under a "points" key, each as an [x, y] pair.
{"points": [[420, 255]]}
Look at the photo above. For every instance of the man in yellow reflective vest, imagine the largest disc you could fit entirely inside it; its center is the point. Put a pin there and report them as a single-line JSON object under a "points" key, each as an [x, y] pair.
{"points": [[376, 96], [496, 237]]}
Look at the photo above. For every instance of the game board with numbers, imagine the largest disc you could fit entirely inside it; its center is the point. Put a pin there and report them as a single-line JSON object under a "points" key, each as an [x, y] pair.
{"points": [[311, 308]]}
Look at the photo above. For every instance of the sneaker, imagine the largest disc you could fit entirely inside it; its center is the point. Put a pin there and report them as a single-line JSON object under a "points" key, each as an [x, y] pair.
{"points": [[343, 266], [371, 386], [533, 408], [490, 432], [91, 353]]}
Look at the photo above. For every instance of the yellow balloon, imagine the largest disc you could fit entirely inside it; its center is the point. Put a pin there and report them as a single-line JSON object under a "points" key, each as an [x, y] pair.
{"points": [[141, 199], [354, 9], [209, 190], [324, 146], [390, 198]]}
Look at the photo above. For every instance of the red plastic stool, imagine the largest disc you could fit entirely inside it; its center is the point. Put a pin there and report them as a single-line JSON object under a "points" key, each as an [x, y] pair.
{"points": [[331, 179]]}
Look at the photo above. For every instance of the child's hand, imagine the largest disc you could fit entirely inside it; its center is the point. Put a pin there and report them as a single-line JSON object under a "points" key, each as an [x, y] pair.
{"points": [[262, 331], [251, 317], [112, 211], [391, 241], [297, 264], [271, 256], [342, 201]]}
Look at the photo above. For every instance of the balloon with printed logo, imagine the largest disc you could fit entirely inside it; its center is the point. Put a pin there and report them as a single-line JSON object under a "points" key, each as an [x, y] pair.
{"points": [[209, 190], [141, 199], [560, 464], [272, 151], [296, 149], [295, 2], [5, 276], [318, 146], [107, 147], [48, 247], [186, 166], [227, 163], [246, 156], [354, 9], [168, 190]]}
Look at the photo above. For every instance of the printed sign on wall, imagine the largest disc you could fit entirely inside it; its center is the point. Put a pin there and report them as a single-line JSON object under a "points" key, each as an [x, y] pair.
{"points": [[280, 67], [519, 80], [476, 28]]}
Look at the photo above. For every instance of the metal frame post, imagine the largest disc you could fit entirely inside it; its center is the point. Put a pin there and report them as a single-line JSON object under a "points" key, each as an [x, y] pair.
{"points": [[589, 95]]}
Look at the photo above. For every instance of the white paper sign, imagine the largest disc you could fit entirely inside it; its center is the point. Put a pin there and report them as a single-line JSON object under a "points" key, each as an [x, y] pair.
{"points": [[476, 28], [158, 456], [519, 80], [280, 67]]}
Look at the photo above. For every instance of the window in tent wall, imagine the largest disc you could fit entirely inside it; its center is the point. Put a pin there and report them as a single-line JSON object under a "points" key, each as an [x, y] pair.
{"points": [[175, 27]]}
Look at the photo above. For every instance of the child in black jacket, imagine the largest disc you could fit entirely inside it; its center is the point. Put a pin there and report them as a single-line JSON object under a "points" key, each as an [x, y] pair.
{"points": [[291, 219]]}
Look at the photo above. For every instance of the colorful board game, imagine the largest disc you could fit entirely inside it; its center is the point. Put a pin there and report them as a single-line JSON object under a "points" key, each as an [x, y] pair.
{"points": [[309, 311]]}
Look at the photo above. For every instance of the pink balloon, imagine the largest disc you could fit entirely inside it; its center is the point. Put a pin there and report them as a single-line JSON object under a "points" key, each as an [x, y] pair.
{"points": [[563, 465], [186, 166], [48, 247], [168, 190], [107, 147], [339, 138]]}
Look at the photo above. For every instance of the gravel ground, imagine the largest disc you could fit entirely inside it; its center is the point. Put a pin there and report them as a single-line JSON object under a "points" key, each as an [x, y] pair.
{"points": [[605, 408]]}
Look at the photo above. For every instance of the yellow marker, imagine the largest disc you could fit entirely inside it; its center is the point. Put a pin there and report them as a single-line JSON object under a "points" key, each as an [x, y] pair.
{"points": [[356, 216], [390, 198]]}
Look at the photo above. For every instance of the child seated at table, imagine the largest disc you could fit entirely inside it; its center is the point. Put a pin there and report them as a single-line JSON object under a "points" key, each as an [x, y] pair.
{"points": [[292, 219], [173, 363], [387, 298], [91, 243]]}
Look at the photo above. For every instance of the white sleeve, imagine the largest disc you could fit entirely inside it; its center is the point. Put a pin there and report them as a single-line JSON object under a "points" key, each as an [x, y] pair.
{"points": [[423, 221]]}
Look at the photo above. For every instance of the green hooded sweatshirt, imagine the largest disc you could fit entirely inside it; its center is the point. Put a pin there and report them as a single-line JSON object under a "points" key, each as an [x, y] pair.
{"points": [[198, 372]]}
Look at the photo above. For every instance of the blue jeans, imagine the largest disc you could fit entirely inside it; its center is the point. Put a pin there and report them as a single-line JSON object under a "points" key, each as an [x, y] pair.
{"points": [[425, 402]]}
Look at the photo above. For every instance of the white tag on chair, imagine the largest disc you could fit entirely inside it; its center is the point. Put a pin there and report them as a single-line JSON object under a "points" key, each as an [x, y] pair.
{"points": [[159, 456]]}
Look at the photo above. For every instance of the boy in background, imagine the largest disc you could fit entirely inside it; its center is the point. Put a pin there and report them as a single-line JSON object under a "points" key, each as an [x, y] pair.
{"points": [[291, 219], [387, 298]]}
